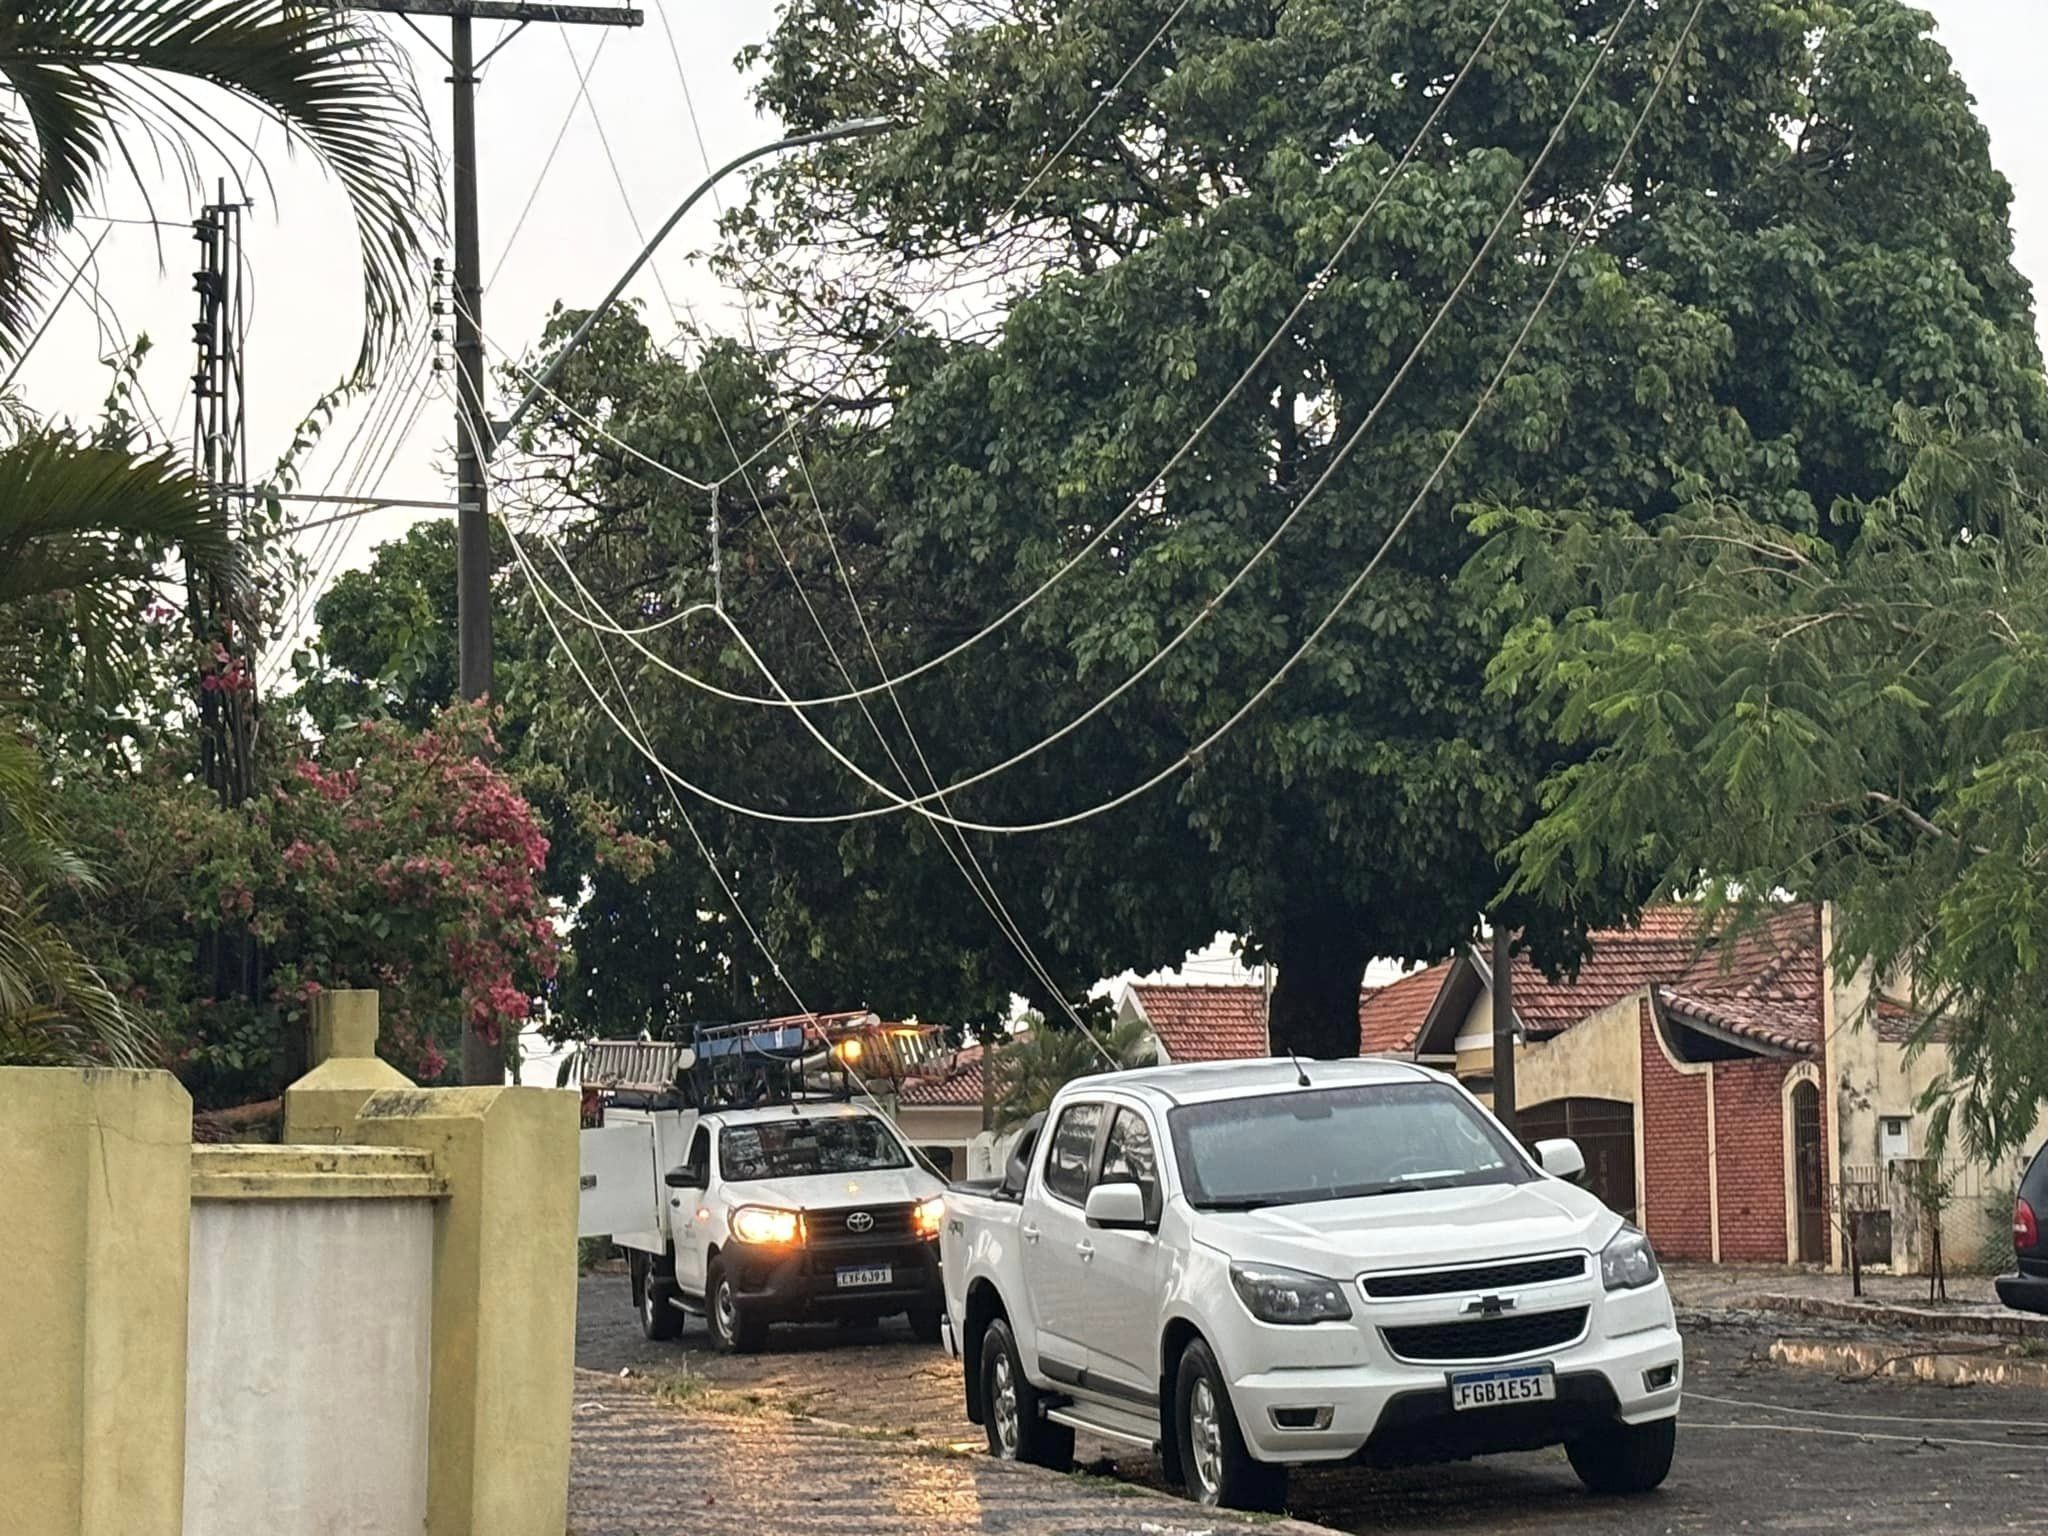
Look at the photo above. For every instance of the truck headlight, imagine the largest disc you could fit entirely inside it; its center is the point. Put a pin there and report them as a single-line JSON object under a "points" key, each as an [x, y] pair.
{"points": [[1628, 1262], [764, 1224], [929, 1216], [1275, 1295]]}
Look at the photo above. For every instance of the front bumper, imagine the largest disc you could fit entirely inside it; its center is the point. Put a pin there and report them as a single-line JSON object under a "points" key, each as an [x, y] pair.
{"points": [[786, 1285], [1629, 1366]]}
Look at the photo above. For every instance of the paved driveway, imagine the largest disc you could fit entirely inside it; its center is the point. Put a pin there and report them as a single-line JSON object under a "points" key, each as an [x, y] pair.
{"points": [[1763, 1448]]}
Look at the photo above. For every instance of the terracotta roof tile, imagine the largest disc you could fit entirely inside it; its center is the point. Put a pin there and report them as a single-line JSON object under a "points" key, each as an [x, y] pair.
{"points": [[952, 1080], [1763, 982], [1206, 1023], [1390, 1017], [1897, 1022]]}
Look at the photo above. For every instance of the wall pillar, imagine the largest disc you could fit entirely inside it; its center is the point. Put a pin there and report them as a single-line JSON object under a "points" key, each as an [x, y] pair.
{"points": [[504, 1303], [95, 1205], [322, 1105]]}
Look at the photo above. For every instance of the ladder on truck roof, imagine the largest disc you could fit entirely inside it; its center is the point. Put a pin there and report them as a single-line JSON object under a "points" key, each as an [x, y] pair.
{"points": [[762, 1061]]}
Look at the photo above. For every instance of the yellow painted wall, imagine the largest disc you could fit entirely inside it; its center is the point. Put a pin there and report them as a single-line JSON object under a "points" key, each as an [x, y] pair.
{"points": [[95, 1170], [322, 1105], [504, 1304], [1599, 1058]]}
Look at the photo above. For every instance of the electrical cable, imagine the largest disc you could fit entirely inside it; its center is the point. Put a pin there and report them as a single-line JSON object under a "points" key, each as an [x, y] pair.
{"points": [[1317, 284], [1581, 234]]}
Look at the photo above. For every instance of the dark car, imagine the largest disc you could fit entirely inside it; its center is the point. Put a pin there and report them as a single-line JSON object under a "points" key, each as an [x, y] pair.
{"points": [[2027, 1291]]}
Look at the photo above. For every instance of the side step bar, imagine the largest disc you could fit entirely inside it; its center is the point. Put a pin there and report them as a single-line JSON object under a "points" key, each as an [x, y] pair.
{"points": [[1122, 1424]]}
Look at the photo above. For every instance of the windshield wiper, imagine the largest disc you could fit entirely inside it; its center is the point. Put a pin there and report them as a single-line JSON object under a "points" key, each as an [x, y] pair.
{"points": [[1240, 1203]]}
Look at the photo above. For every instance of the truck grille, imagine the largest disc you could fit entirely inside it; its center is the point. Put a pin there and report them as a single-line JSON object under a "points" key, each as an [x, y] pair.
{"points": [[1491, 1338], [837, 1228], [1492, 1277]]}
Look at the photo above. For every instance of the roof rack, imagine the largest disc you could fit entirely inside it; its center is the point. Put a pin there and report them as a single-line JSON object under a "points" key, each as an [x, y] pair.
{"points": [[795, 1059]]}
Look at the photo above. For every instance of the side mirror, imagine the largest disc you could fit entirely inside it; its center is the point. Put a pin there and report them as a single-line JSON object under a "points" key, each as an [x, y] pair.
{"points": [[940, 1158], [684, 1176], [1116, 1208], [1562, 1159]]}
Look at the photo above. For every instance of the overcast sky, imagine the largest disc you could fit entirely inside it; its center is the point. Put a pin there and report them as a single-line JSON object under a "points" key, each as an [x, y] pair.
{"points": [[580, 234]]}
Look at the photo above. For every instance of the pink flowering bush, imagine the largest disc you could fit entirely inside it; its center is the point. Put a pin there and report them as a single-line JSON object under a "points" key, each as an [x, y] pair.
{"points": [[387, 858], [407, 862]]}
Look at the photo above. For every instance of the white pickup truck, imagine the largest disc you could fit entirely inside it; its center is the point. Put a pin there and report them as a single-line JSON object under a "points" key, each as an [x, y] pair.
{"points": [[750, 1208], [1249, 1265]]}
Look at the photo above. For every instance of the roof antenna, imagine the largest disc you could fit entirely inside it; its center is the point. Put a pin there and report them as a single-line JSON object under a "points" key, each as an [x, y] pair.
{"points": [[1300, 1076]]}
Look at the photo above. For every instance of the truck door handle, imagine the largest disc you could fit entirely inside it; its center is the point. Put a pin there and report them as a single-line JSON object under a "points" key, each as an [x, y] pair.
{"points": [[1030, 1234], [1086, 1249]]}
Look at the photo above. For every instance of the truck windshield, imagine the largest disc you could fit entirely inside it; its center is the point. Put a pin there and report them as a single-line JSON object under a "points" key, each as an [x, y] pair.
{"points": [[788, 1149], [1338, 1144]]}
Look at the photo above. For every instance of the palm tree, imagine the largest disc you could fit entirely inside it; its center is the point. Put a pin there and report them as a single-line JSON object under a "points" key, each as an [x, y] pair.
{"points": [[1036, 1063], [89, 87], [85, 524]]}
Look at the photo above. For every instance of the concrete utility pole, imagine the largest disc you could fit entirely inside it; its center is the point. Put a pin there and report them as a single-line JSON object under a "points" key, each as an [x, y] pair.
{"points": [[481, 1063], [1503, 1029]]}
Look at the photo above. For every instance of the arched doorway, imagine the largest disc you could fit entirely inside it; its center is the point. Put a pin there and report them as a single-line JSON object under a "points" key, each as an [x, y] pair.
{"points": [[1605, 1130], [1809, 1173]]}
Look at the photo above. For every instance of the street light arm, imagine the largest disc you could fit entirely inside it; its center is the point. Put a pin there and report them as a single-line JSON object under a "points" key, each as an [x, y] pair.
{"points": [[499, 431]]}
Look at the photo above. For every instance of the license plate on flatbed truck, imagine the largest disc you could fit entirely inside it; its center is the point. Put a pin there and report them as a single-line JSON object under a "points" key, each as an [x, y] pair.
{"points": [[871, 1274], [1501, 1388]]}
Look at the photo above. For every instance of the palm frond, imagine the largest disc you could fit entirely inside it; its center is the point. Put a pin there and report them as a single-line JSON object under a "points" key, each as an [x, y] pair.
{"points": [[88, 76], [55, 1009]]}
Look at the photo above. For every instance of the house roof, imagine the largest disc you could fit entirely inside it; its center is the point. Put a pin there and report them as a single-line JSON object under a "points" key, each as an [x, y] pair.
{"points": [[1205, 1023], [1762, 985], [951, 1081], [1390, 1017]]}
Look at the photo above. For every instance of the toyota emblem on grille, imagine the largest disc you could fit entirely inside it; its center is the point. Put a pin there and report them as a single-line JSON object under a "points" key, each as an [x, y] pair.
{"points": [[1489, 1306], [860, 1221]]}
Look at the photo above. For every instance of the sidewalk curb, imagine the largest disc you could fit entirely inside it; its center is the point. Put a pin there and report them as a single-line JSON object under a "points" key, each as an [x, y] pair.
{"points": [[1200, 1522], [1931, 1365], [1903, 1319]]}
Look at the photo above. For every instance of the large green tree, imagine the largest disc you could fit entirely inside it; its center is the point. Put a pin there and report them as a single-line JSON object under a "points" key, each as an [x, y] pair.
{"points": [[1810, 231], [1856, 713]]}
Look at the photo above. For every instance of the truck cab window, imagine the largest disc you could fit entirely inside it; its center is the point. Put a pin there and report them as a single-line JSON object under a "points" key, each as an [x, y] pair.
{"points": [[1071, 1151], [1127, 1156]]}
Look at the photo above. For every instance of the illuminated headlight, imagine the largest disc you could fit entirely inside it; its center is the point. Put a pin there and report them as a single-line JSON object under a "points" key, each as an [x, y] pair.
{"points": [[762, 1224], [1275, 1295], [1628, 1262], [929, 1216]]}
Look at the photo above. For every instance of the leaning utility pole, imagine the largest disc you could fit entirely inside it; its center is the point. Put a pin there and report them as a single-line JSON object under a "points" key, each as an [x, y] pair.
{"points": [[473, 433]]}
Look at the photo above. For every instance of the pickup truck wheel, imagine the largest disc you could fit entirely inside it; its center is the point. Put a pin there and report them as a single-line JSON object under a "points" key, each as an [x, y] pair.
{"points": [[924, 1324], [732, 1330], [1010, 1407], [1220, 1469], [1625, 1458], [654, 1294]]}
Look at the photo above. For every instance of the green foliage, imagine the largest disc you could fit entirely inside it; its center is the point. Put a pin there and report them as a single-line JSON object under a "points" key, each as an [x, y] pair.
{"points": [[1033, 1065], [1853, 714], [94, 87], [1810, 231], [390, 859]]}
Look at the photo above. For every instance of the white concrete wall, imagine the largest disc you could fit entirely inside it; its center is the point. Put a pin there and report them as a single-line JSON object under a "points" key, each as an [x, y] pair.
{"points": [[306, 1394]]}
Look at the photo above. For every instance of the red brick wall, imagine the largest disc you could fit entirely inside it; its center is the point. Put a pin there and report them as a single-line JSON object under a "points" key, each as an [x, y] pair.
{"points": [[1674, 1152], [1749, 1130], [1749, 1146]]}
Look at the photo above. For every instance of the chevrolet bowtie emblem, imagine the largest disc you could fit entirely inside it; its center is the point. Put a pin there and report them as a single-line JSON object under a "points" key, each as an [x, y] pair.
{"points": [[1489, 1306]]}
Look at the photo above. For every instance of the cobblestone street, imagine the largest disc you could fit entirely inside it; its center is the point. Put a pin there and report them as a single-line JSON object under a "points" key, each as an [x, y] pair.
{"points": [[850, 1432]]}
